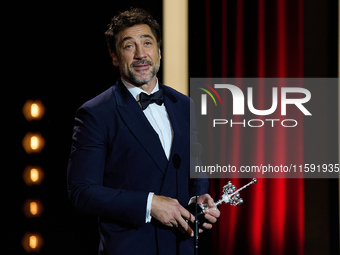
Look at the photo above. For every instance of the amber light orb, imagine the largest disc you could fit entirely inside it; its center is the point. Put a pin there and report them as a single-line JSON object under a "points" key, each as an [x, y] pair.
{"points": [[33, 175], [32, 242], [33, 143], [33, 208], [33, 110]]}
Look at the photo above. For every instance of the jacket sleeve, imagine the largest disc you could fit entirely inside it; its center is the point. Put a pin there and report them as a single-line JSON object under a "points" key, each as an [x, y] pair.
{"points": [[86, 170]]}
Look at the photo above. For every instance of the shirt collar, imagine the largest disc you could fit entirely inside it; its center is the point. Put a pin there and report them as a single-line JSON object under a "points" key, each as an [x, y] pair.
{"points": [[135, 91]]}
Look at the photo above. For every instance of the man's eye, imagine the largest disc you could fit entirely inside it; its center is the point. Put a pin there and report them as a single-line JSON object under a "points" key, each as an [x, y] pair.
{"points": [[148, 43], [129, 46]]}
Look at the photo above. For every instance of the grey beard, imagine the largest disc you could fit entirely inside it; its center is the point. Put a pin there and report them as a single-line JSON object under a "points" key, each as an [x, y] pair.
{"points": [[139, 82]]}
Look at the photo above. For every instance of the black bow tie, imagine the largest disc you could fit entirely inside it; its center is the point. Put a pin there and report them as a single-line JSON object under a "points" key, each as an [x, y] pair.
{"points": [[146, 99]]}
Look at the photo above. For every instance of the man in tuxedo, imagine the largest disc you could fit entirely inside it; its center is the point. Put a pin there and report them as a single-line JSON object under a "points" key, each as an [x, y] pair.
{"points": [[130, 156]]}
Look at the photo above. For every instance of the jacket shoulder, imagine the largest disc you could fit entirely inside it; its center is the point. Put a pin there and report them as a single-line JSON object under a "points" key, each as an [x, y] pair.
{"points": [[175, 95], [103, 100]]}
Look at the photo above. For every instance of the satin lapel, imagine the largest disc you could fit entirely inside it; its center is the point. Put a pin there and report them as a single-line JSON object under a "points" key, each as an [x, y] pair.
{"points": [[175, 113], [135, 120]]}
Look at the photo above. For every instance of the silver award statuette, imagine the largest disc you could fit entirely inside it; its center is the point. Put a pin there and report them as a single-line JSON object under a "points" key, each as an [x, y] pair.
{"points": [[230, 196]]}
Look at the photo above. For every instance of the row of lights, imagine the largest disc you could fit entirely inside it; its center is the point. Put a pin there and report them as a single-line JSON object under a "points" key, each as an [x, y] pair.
{"points": [[33, 143]]}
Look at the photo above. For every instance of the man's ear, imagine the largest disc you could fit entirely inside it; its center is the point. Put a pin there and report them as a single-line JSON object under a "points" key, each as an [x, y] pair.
{"points": [[159, 53], [114, 59]]}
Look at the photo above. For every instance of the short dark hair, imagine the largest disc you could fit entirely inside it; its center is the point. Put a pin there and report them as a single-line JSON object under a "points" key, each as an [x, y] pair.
{"points": [[134, 16]]}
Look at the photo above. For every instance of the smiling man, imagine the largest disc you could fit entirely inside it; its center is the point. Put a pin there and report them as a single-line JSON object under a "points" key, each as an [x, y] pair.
{"points": [[130, 156], [139, 56]]}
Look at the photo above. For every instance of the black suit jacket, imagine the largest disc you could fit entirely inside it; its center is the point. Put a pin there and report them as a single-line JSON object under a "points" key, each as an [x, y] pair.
{"points": [[117, 159]]}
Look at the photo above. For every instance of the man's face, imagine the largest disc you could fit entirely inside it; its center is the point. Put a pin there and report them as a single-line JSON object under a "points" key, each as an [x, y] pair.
{"points": [[138, 56]]}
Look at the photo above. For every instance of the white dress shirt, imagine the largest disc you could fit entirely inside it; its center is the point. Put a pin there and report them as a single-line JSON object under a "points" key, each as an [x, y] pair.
{"points": [[159, 120]]}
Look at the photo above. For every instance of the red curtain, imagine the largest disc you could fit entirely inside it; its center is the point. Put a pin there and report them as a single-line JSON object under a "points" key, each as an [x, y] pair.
{"points": [[259, 39]]}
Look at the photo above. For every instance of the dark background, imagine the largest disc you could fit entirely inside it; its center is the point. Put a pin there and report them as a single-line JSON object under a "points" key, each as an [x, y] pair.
{"points": [[57, 52]]}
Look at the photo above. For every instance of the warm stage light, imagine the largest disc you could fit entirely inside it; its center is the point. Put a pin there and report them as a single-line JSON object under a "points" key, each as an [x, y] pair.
{"points": [[32, 242], [33, 208], [33, 143], [33, 175], [33, 110]]}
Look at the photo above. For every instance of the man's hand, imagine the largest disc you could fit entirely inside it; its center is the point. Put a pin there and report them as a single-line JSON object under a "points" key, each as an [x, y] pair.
{"points": [[211, 214], [170, 213]]}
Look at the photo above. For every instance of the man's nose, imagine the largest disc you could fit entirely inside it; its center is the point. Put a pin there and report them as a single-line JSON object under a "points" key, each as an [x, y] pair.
{"points": [[140, 52]]}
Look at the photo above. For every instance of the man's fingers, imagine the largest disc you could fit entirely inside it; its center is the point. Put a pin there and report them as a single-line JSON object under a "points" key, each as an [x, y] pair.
{"points": [[172, 223], [213, 212], [204, 199], [186, 214], [211, 202], [210, 218], [180, 228], [207, 225], [183, 224]]}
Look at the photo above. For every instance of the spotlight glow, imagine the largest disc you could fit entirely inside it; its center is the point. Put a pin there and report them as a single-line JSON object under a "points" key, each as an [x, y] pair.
{"points": [[33, 110], [32, 242], [33, 143], [33, 175]]}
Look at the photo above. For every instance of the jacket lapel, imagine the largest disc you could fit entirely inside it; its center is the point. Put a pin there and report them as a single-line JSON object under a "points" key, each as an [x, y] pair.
{"points": [[134, 118], [174, 112], [169, 186]]}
